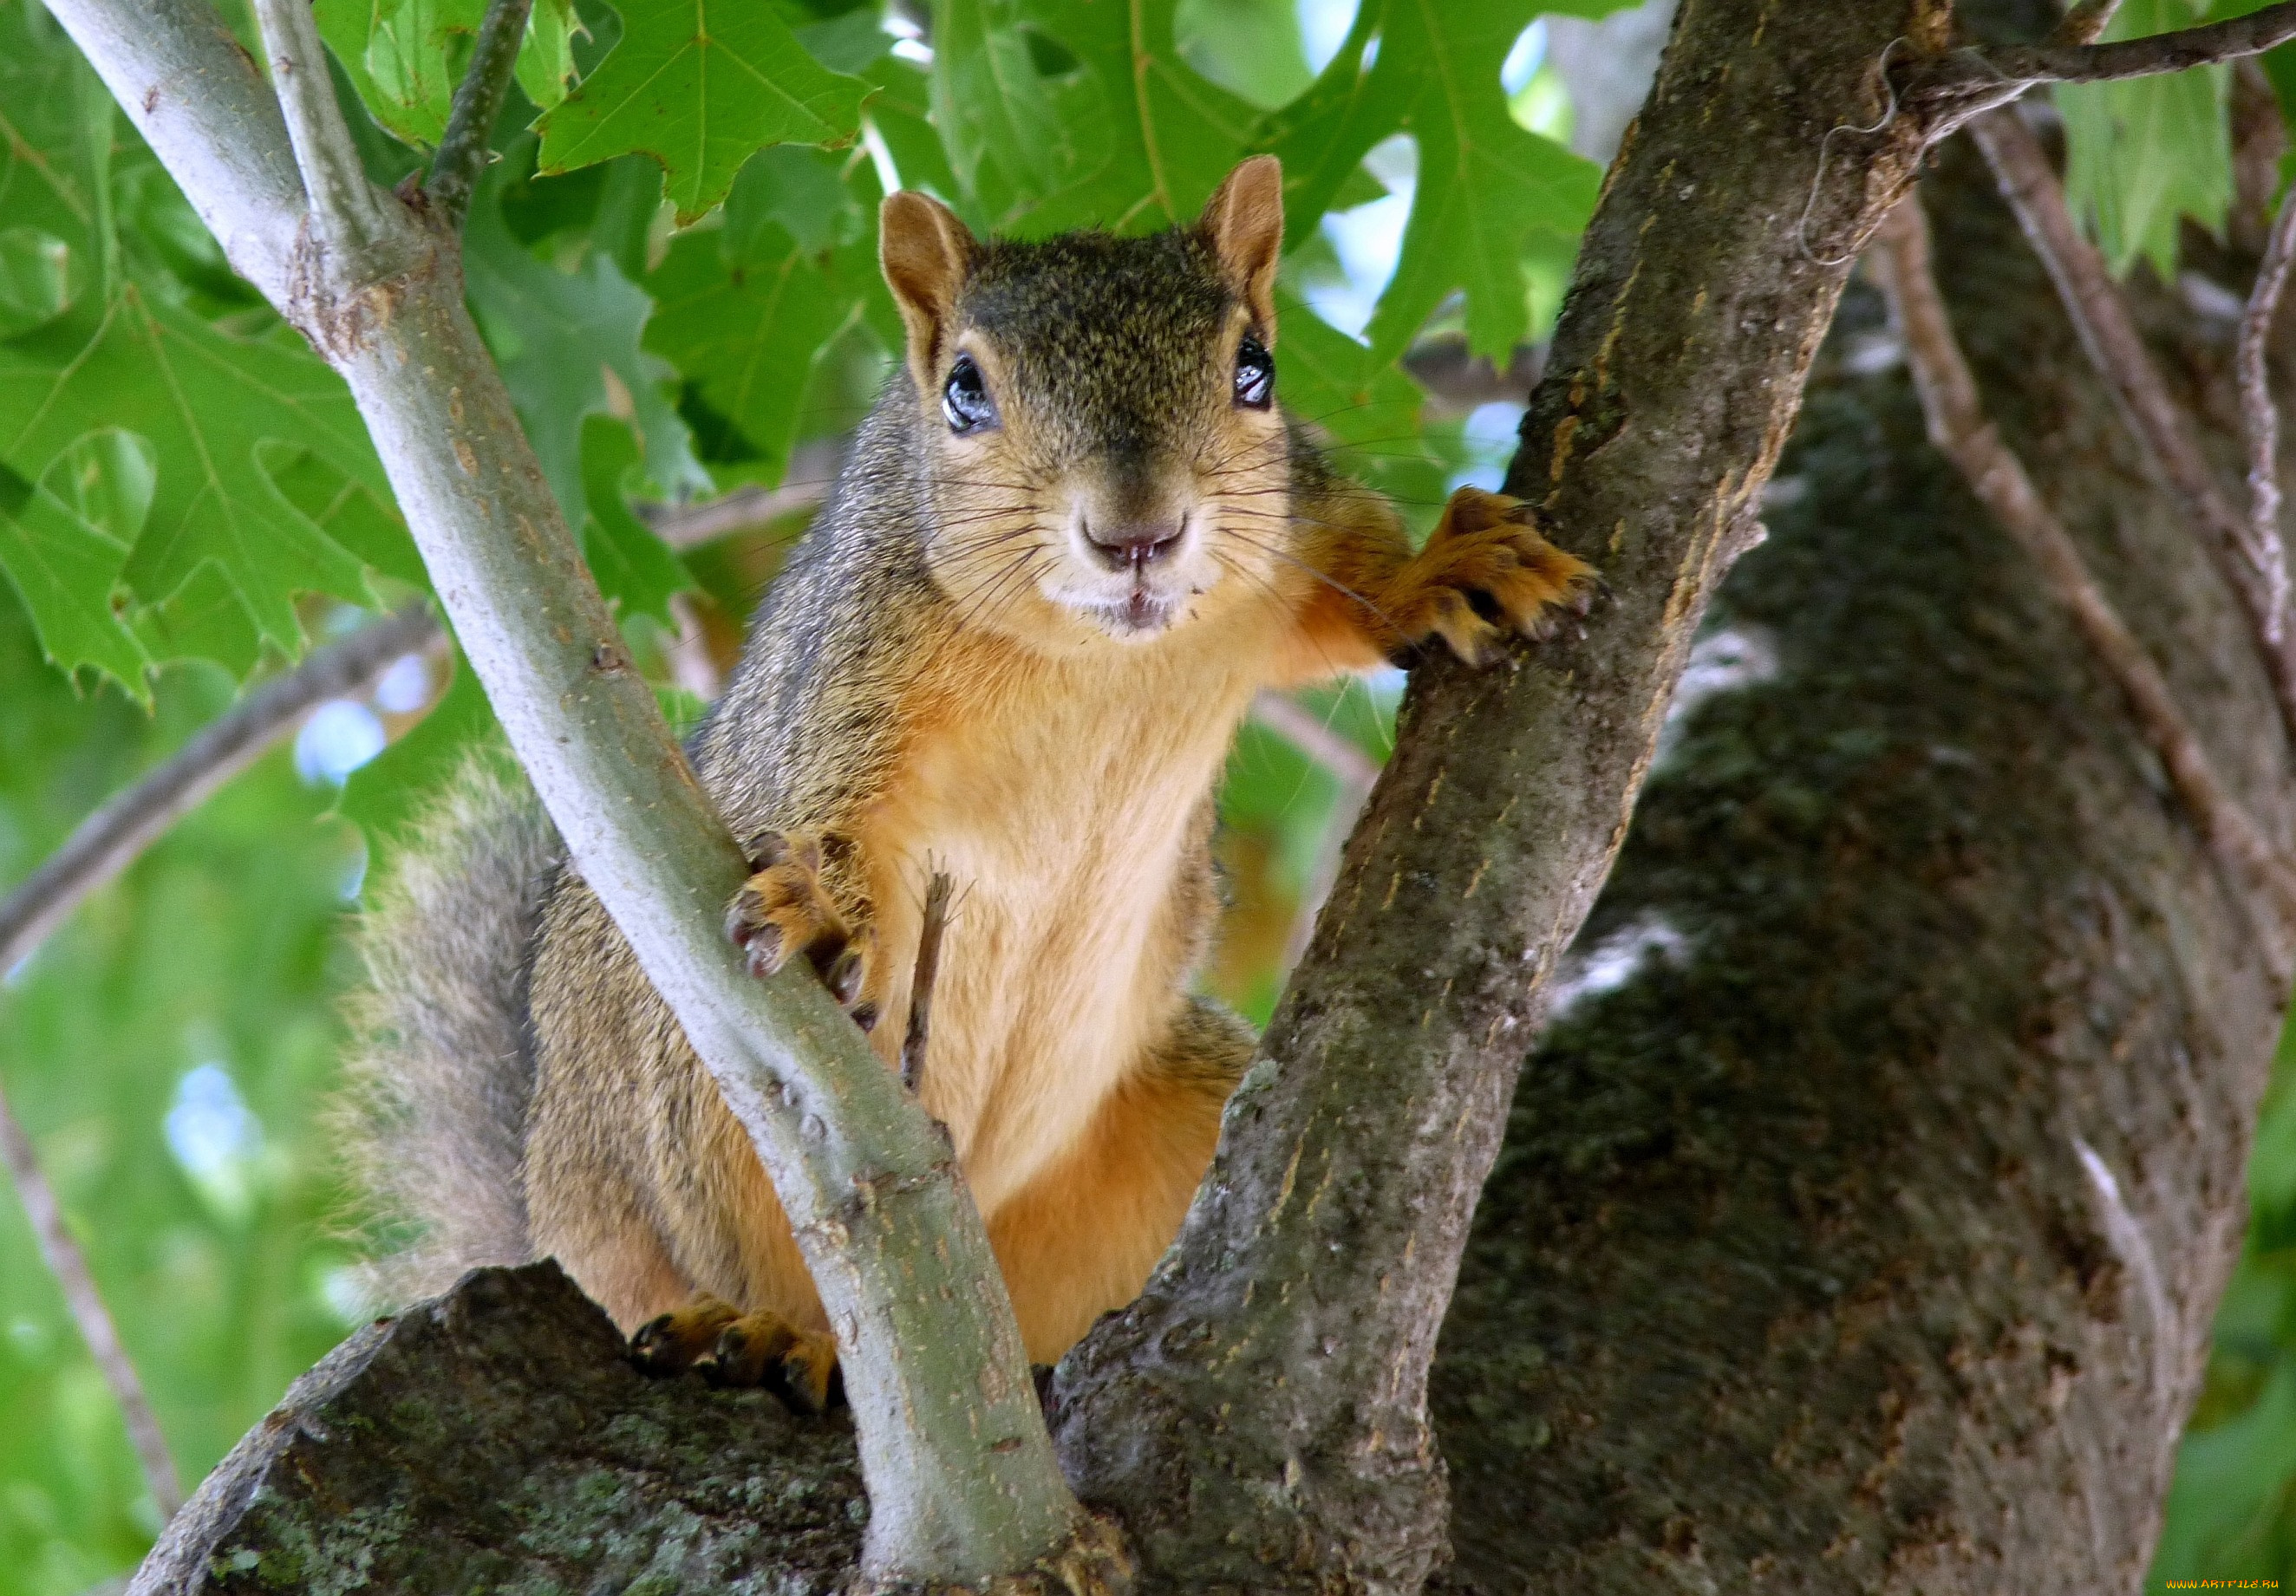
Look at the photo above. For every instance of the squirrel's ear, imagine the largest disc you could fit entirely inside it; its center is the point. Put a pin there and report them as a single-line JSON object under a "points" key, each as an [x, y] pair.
{"points": [[1244, 222], [925, 252]]}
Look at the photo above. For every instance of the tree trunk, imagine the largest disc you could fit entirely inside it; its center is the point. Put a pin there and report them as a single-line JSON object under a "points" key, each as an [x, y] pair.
{"points": [[1862, 1215]]}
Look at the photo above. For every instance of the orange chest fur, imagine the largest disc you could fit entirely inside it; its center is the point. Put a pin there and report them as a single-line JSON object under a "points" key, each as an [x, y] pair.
{"points": [[1066, 803]]}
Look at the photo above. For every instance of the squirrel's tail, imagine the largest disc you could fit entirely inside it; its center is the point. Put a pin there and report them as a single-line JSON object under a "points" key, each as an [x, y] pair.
{"points": [[441, 1076]]}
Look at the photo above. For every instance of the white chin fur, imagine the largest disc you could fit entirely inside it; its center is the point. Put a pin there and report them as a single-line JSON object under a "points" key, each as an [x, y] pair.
{"points": [[1138, 616]]}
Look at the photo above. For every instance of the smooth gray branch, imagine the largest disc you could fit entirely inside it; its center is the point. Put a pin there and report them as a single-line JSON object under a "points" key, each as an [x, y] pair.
{"points": [[198, 101], [342, 202], [1958, 426], [2266, 545], [104, 845], [463, 147]]}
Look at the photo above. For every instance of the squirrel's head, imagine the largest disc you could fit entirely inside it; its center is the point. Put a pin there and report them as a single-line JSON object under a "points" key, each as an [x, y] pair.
{"points": [[1097, 414]]}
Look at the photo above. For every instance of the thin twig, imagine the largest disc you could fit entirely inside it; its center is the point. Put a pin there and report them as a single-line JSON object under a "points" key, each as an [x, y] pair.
{"points": [[921, 989], [1354, 770], [2109, 335], [1948, 89], [68, 1264], [104, 845], [2267, 549], [462, 147], [1958, 426], [109, 839], [343, 210], [813, 467], [2084, 23]]}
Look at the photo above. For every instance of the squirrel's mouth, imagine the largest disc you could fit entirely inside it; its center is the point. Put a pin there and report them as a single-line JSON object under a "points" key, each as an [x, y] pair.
{"points": [[1140, 613]]}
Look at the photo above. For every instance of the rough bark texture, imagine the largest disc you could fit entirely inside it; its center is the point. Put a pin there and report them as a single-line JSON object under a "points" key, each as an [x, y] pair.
{"points": [[1259, 1416], [1867, 1238], [498, 1439]]}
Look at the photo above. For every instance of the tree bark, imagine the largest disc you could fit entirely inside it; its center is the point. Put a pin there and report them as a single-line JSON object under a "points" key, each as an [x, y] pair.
{"points": [[1257, 1417], [1867, 1238]]}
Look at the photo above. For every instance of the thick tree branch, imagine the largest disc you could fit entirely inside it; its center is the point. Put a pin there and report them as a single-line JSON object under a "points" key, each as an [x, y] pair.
{"points": [[1258, 1415], [344, 214], [2109, 335], [2267, 546], [962, 1483], [1958, 427], [463, 147], [104, 845]]}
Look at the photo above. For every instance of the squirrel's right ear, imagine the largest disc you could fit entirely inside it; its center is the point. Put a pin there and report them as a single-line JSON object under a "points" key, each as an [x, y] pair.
{"points": [[1244, 222], [925, 252]]}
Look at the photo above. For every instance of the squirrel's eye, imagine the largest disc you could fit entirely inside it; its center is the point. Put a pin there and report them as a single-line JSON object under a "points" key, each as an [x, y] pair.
{"points": [[964, 400], [1255, 373]]}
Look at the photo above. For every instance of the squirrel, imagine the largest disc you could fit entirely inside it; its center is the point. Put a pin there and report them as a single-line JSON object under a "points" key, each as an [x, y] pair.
{"points": [[1072, 539]]}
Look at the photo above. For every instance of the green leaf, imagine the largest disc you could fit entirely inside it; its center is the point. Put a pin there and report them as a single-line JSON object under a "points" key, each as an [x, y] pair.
{"points": [[36, 284], [2143, 152], [1170, 133], [1486, 187], [635, 570], [700, 90], [1341, 389], [405, 56], [743, 312], [568, 344], [64, 541], [205, 402], [55, 141], [1015, 132]]}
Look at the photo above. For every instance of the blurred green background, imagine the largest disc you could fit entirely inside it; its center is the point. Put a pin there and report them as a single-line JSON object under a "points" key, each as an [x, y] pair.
{"points": [[172, 1048]]}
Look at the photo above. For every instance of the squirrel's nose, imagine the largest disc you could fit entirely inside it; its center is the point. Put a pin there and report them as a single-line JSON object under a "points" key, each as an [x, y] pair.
{"points": [[1135, 543]]}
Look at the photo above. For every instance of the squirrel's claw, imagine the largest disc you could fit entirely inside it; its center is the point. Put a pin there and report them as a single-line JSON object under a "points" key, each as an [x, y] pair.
{"points": [[675, 1341], [1486, 568], [784, 910], [728, 1347]]}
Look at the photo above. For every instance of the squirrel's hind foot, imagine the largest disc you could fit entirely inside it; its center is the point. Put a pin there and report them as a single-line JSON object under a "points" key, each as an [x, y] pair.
{"points": [[1485, 569], [728, 1347], [784, 910]]}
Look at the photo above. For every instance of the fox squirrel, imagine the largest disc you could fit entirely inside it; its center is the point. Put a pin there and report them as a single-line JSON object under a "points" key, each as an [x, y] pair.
{"points": [[1074, 536]]}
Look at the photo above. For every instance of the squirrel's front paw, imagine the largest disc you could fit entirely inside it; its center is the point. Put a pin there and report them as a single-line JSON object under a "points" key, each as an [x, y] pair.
{"points": [[1485, 567], [784, 910], [728, 1347]]}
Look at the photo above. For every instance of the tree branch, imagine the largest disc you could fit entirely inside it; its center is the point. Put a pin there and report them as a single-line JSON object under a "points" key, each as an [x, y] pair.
{"points": [[1258, 1415], [342, 202], [198, 101], [66, 1262], [111, 839], [962, 1479], [1958, 427], [2267, 547], [104, 845], [2116, 348], [1943, 91], [463, 147]]}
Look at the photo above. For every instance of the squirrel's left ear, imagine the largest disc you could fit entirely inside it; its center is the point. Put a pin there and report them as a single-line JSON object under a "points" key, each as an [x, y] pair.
{"points": [[1244, 222]]}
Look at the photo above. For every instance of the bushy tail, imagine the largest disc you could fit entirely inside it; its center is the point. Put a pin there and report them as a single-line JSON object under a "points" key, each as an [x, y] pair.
{"points": [[440, 1075]]}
